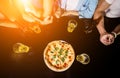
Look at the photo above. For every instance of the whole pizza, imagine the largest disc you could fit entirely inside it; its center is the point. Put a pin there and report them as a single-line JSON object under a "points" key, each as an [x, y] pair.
{"points": [[59, 55]]}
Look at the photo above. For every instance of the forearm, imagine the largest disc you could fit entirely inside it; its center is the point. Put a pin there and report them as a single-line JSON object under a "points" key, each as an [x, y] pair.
{"points": [[100, 26], [47, 6], [99, 19], [99, 15], [8, 24]]}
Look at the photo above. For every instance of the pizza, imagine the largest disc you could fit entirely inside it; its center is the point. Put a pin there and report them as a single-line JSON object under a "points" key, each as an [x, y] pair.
{"points": [[59, 55]]}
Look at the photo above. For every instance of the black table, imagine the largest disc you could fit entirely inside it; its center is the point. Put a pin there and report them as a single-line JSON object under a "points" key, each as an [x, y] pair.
{"points": [[104, 59]]}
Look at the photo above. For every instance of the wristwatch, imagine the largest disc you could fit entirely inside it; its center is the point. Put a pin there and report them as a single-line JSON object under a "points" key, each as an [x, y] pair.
{"points": [[114, 34]]}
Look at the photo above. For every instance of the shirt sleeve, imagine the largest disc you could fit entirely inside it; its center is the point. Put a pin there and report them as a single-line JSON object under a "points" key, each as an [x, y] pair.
{"points": [[88, 9], [109, 1], [63, 3]]}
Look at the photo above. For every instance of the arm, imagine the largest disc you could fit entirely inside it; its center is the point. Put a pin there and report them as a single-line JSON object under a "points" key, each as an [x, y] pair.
{"points": [[99, 16], [105, 37], [47, 6], [2, 16]]}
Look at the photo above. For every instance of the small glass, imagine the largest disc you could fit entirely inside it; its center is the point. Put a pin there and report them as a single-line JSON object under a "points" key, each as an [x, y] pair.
{"points": [[72, 24], [20, 48], [89, 25], [83, 58], [88, 29]]}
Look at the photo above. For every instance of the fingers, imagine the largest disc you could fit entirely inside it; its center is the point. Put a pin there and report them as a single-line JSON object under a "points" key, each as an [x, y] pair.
{"points": [[2, 16], [8, 24], [57, 14], [47, 20]]}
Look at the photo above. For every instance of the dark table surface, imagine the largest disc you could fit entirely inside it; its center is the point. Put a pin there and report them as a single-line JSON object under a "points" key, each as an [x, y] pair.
{"points": [[104, 60]]}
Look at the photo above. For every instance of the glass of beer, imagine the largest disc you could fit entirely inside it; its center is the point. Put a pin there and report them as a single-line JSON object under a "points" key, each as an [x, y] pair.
{"points": [[72, 24], [83, 58], [20, 48]]}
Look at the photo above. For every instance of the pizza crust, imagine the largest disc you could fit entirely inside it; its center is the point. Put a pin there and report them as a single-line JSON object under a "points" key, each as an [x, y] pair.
{"points": [[59, 55]]}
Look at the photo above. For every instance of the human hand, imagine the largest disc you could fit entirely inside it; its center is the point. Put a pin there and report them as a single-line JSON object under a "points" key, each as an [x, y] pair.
{"points": [[2, 16], [47, 20], [68, 13], [58, 13], [31, 18], [107, 39]]}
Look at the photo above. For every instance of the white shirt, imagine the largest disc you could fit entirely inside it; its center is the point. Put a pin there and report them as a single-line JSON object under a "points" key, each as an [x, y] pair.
{"points": [[69, 4], [114, 10]]}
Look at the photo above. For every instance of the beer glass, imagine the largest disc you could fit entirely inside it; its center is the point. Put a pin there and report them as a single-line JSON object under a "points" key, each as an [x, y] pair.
{"points": [[72, 24], [20, 48], [83, 58]]}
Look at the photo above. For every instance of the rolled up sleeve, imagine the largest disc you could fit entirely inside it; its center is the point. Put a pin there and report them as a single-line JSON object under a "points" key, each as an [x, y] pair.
{"points": [[109, 1]]}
